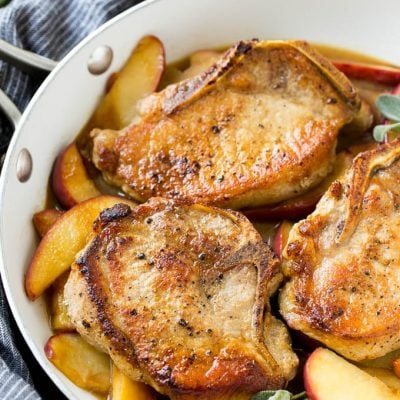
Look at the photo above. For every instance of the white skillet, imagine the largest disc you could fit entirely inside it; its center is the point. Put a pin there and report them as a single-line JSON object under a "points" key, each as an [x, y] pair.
{"points": [[70, 93]]}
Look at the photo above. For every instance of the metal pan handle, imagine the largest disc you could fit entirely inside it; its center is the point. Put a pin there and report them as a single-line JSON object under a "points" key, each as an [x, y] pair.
{"points": [[34, 65]]}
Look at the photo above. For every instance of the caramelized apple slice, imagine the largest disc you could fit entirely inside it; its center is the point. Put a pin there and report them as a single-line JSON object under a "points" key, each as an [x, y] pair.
{"points": [[70, 181], [138, 78], [294, 209], [369, 72], [387, 376], [385, 361], [330, 377], [299, 207], [58, 248], [44, 220], [200, 61], [281, 237], [60, 320], [123, 388], [396, 90], [80, 362], [396, 367]]}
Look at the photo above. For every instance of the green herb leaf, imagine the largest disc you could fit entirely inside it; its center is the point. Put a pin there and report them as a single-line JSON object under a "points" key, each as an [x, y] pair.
{"points": [[381, 130], [278, 395], [272, 395], [389, 106]]}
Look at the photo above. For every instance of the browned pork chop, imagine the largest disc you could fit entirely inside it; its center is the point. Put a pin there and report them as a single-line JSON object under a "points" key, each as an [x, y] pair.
{"points": [[343, 261], [258, 127], [178, 295]]}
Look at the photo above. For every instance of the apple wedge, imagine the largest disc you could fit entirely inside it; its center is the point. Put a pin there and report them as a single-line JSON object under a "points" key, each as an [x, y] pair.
{"points": [[281, 237], [200, 61], [396, 367], [301, 206], [44, 220], [390, 362], [80, 362], [58, 248], [293, 209], [328, 376], [70, 181], [123, 388], [387, 376], [369, 72], [385, 361], [60, 320], [396, 90], [138, 78]]}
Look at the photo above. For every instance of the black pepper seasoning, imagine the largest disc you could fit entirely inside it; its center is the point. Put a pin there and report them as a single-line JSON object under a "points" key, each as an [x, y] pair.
{"points": [[182, 322]]}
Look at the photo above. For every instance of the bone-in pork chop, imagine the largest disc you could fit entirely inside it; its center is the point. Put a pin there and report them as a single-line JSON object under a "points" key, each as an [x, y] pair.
{"points": [[178, 296], [259, 127], [343, 261]]}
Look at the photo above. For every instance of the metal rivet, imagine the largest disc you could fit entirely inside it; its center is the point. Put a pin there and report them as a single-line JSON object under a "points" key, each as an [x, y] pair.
{"points": [[24, 165], [100, 60]]}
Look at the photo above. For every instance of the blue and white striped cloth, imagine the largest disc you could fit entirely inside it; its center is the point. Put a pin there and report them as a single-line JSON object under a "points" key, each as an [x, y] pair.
{"points": [[50, 28]]}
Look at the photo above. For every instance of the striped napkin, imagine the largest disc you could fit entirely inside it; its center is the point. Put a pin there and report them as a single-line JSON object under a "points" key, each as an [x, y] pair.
{"points": [[50, 28]]}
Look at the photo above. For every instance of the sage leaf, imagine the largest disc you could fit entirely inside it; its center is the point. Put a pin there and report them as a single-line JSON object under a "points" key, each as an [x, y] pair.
{"points": [[272, 395], [389, 106], [279, 395], [381, 130]]}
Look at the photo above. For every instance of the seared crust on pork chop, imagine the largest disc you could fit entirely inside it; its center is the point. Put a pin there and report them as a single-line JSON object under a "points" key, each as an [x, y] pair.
{"points": [[343, 261], [258, 127], [178, 296]]}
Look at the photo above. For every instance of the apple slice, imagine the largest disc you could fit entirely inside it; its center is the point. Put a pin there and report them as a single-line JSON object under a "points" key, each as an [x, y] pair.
{"points": [[369, 72], [123, 388], [201, 61], [385, 361], [70, 181], [293, 209], [44, 220], [330, 377], [281, 237], [58, 248], [301, 206], [396, 90], [205, 56], [396, 367], [60, 320], [80, 362], [387, 376], [138, 78]]}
